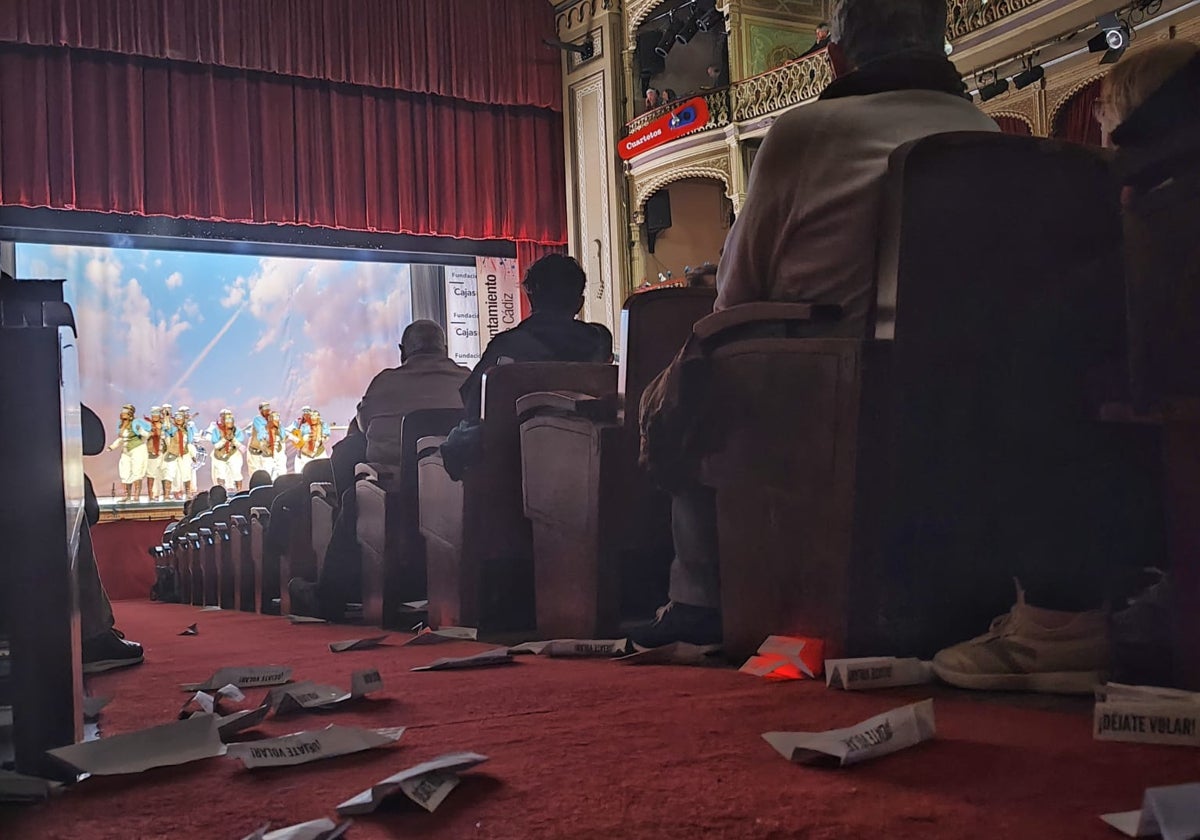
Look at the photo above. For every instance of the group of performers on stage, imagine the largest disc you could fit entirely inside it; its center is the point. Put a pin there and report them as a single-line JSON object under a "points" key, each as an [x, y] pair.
{"points": [[164, 447]]}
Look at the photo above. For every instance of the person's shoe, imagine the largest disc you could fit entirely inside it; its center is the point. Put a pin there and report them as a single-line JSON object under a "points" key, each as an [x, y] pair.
{"points": [[1031, 649], [109, 651], [680, 623], [303, 595]]}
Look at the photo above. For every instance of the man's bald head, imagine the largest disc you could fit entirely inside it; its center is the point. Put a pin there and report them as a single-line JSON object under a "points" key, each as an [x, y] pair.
{"points": [[422, 337]]}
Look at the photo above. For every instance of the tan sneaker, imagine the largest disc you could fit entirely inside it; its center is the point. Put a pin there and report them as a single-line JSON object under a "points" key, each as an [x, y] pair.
{"points": [[1032, 649]]}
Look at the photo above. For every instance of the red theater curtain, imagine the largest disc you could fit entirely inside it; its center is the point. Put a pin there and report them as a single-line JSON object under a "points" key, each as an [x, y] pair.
{"points": [[530, 252], [1013, 125], [482, 51], [114, 133], [1075, 120]]}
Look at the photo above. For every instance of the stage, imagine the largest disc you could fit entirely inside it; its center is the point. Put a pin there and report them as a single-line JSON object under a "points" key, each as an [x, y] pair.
{"points": [[113, 508]]}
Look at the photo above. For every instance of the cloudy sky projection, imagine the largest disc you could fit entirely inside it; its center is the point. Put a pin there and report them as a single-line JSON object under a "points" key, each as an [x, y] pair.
{"points": [[217, 331]]}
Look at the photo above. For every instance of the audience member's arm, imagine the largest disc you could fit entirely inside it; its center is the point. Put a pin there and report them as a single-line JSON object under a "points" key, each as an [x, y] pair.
{"points": [[746, 264]]}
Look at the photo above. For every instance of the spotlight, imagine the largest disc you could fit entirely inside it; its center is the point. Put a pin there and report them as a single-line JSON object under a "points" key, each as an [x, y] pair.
{"points": [[993, 90], [689, 30], [949, 48], [1028, 77], [710, 20], [668, 36], [1112, 40]]}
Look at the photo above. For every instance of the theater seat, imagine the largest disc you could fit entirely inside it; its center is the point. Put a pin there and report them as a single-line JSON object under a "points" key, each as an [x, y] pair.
{"points": [[478, 541], [602, 539], [226, 583], [324, 507], [388, 524], [241, 561], [265, 560], [299, 560], [881, 493], [207, 546]]}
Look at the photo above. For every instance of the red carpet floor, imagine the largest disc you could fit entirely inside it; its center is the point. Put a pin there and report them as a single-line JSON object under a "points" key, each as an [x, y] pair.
{"points": [[593, 749]]}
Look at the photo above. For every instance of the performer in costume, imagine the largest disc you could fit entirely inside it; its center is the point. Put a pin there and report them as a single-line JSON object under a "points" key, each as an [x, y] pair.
{"points": [[227, 440], [256, 449], [266, 443], [194, 460], [309, 438], [131, 435], [177, 463], [155, 447]]}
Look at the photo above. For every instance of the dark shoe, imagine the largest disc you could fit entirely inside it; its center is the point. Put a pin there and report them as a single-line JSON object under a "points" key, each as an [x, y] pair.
{"points": [[303, 595], [109, 651], [680, 623]]}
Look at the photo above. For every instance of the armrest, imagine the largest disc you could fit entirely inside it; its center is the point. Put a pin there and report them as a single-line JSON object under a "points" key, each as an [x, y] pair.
{"points": [[376, 473], [206, 535], [222, 529], [240, 522], [568, 402], [429, 445], [765, 313], [193, 538], [324, 490], [260, 514]]}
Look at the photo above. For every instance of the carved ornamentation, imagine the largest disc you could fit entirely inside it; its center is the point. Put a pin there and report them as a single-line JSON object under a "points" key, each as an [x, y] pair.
{"points": [[715, 167], [590, 94], [781, 88], [581, 13], [966, 16], [637, 11], [1016, 116]]}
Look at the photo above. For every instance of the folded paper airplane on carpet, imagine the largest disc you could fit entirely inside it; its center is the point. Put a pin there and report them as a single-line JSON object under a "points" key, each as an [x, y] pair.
{"points": [[496, 656], [1170, 812], [876, 672], [190, 630], [358, 644], [323, 829], [298, 697], [787, 658], [572, 647], [251, 676], [429, 636], [159, 746], [881, 735], [305, 619], [1147, 715], [314, 745], [427, 784]]}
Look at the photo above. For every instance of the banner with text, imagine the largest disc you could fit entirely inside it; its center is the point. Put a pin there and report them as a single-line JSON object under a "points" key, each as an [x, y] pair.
{"points": [[501, 301], [462, 315]]}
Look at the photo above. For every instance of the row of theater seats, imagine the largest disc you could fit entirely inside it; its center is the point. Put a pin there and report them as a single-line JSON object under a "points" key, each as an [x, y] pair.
{"points": [[468, 546], [873, 491]]}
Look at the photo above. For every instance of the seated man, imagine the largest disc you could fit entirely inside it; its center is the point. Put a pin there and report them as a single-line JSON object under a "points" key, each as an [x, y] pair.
{"points": [[425, 379], [808, 229], [554, 285]]}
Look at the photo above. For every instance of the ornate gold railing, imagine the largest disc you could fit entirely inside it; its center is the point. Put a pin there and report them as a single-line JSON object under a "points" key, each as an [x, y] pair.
{"points": [[718, 111], [783, 87], [966, 16]]}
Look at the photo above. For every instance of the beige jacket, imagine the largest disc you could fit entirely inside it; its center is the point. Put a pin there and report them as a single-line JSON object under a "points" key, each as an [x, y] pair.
{"points": [[809, 226]]}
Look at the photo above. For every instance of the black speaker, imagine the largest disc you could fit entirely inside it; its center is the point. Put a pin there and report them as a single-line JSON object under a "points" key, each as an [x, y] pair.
{"points": [[658, 211], [648, 61]]}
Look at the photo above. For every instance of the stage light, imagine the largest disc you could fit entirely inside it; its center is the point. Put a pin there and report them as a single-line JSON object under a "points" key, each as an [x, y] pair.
{"points": [[1028, 77], [710, 20], [1112, 40], [993, 90], [668, 37], [689, 30]]}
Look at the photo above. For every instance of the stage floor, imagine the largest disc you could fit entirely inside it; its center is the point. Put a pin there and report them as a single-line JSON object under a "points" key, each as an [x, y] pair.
{"points": [[115, 508]]}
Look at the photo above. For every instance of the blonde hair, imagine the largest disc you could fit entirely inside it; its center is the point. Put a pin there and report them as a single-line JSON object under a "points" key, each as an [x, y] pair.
{"points": [[1132, 81]]}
